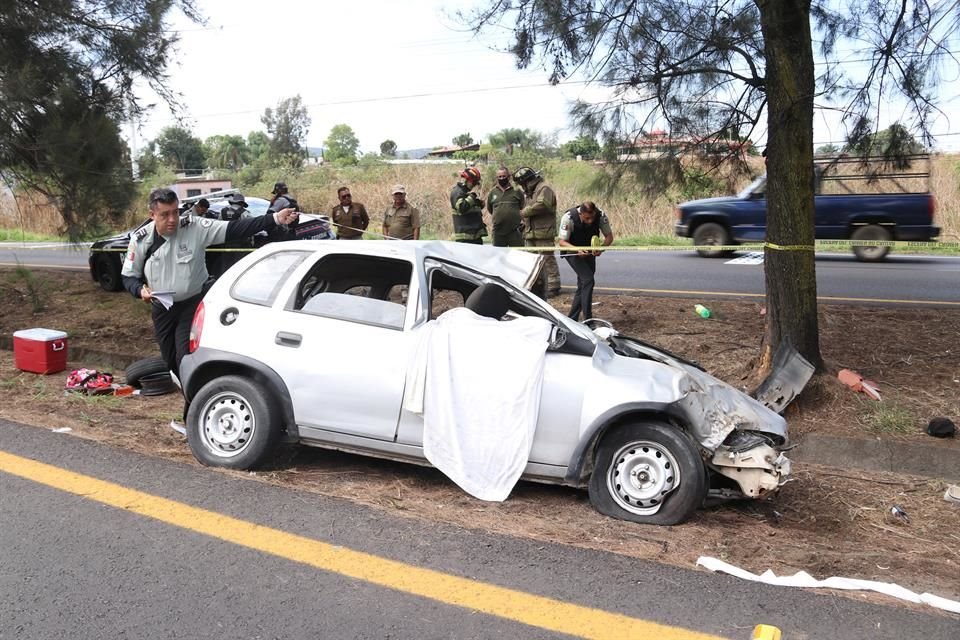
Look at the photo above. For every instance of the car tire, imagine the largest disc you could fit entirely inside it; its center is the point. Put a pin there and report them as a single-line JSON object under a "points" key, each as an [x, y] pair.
{"points": [[711, 233], [232, 423], [871, 232], [143, 368], [108, 272], [648, 472]]}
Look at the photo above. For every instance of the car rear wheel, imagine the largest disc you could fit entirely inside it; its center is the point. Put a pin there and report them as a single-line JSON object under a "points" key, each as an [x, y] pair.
{"points": [[108, 272], [872, 232], [648, 472], [711, 234], [232, 423]]}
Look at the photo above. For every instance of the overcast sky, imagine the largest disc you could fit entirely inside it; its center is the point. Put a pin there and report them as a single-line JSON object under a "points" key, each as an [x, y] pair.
{"points": [[399, 70]]}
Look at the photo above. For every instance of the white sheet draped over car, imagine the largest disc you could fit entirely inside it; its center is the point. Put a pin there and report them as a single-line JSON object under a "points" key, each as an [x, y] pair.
{"points": [[476, 382]]}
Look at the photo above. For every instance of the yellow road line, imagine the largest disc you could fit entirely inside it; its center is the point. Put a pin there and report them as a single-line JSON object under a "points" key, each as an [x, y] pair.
{"points": [[733, 294], [518, 606]]}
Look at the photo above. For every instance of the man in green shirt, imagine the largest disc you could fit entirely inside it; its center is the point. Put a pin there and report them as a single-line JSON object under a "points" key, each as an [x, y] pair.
{"points": [[401, 221], [504, 203]]}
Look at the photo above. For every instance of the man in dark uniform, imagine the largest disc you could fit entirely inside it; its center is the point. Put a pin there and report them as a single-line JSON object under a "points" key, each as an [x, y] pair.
{"points": [[468, 225], [579, 227], [504, 203], [349, 217], [166, 257]]}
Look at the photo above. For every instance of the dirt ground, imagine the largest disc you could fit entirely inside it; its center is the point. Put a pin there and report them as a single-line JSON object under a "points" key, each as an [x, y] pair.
{"points": [[828, 521]]}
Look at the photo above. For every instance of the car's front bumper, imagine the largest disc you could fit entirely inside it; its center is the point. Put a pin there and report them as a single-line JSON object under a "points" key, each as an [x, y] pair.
{"points": [[757, 471]]}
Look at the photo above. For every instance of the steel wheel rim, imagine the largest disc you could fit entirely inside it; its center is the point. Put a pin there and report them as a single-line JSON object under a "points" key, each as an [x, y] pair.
{"points": [[641, 475], [227, 424]]}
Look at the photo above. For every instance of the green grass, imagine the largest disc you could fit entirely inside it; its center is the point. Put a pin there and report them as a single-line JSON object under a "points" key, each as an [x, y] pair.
{"points": [[18, 235], [651, 240], [108, 401], [889, 418]]}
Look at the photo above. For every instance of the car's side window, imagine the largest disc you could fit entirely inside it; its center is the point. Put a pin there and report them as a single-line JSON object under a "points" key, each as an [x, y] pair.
{"points": [[367, 289], [447, 292], [261, 282]]}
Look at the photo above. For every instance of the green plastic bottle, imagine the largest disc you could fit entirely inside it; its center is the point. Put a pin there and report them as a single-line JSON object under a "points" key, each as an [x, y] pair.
{"points": [[702, 311]]}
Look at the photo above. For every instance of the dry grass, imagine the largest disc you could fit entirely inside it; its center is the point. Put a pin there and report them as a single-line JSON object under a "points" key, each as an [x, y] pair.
{"points": [[635, 210]]}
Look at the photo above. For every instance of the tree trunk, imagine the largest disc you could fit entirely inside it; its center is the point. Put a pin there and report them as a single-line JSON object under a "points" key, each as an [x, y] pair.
{"points": [[789, 267]]}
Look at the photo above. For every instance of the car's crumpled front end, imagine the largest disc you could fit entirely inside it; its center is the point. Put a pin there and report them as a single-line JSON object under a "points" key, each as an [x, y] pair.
{"points": [[741, 439]]}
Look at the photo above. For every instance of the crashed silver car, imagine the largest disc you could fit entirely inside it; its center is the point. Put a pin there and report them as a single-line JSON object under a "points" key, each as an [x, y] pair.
{"points": [[312, 342]]}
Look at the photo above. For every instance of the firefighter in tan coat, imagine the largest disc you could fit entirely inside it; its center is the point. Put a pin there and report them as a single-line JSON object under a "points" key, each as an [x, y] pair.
{"points": [[540, 222]]}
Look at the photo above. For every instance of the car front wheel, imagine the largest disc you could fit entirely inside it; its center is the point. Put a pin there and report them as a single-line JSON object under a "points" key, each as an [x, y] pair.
{"points": [[232, 423], [648, 472], [108, 272]]}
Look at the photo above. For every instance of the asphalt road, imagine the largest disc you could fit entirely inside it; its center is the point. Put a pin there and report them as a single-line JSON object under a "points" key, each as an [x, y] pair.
{"points": [[926, 280], [923, 279], [172, 550]]}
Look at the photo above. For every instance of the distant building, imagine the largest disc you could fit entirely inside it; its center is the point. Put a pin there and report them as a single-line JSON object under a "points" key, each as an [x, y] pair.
{"points": [[447, 152], [660, 144], [190, 186]]}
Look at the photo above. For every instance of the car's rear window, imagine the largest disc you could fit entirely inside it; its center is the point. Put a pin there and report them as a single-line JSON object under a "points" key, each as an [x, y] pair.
{"points": [[260, 283]]}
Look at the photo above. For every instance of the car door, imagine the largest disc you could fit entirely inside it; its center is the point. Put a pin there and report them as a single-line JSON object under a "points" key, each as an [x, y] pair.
{"points": [[341, 346], [562, 393]]}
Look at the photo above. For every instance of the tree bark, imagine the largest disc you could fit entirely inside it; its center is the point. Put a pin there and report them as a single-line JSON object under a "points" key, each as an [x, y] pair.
{"points": [[789, 267]]}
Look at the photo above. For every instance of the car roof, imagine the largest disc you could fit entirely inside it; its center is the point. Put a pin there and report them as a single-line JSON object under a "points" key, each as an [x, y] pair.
{"points": [[519, 268]]}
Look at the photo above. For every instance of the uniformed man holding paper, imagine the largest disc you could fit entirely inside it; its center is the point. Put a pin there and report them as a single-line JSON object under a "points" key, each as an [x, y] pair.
{"points": [[167, 257], [582, 227]]}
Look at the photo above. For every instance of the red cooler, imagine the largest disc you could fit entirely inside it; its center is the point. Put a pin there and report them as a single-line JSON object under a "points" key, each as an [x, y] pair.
{"points": [[40, 350]]}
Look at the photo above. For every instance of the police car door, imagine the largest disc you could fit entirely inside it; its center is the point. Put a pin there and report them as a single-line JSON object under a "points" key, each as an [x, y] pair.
{"points": [[341, 346]]}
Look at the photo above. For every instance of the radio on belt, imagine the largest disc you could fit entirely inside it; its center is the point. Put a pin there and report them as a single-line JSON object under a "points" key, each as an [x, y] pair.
{"points": [[40, 350]]}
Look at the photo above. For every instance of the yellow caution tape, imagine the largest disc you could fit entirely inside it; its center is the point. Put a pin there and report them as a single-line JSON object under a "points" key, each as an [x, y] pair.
{"points": [[747, 246]]}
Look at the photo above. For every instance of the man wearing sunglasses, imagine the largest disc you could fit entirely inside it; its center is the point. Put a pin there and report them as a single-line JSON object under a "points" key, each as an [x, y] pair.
{"points": [[349, 217]]}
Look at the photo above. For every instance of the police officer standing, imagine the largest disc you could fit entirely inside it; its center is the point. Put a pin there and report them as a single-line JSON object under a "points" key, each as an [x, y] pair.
{"points": [[504, 203], [402, 220], [350, 217], [166, 257], [468, 225], [540, 220], [202, 209], [578, 228]]}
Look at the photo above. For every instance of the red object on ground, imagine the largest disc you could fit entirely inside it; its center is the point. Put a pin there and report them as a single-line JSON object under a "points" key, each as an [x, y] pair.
{"points": [[40, 350], [856, 382]]}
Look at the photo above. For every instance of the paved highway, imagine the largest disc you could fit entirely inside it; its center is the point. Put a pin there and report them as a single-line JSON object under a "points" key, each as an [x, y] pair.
{"points": [[98, 542], [925, 280]]}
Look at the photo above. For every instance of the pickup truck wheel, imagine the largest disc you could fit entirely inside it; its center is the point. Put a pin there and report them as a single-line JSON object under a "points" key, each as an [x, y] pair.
{"points": [[648, 472], [711, 233], [871, 232], [108, 272], [232, 423]]}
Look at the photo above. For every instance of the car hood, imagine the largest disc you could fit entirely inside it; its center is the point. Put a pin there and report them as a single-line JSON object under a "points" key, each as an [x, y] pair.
{"points": [[713, 407], [706, 202]]}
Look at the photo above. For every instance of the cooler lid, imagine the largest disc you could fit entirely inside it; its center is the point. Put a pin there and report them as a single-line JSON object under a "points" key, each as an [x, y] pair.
{"points": [[41, 335]]}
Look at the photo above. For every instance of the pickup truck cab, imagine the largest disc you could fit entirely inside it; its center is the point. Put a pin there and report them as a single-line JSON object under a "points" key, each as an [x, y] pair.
{"points": [[879, 217]]}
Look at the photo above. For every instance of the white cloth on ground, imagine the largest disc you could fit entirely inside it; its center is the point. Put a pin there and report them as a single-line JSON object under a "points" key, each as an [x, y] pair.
{"points": [[477, 383], [804, 579]]}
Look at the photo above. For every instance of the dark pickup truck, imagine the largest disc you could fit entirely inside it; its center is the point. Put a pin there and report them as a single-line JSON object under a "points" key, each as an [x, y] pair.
{"points": [[876, 217]]}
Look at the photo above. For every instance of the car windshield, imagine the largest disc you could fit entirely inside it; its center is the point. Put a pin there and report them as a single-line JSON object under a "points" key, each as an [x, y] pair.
{"points": [[755, 189]]}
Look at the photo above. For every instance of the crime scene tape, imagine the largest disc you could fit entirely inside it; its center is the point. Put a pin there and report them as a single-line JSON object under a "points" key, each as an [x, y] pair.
{"points": [[932, 246], [749, 246]]}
